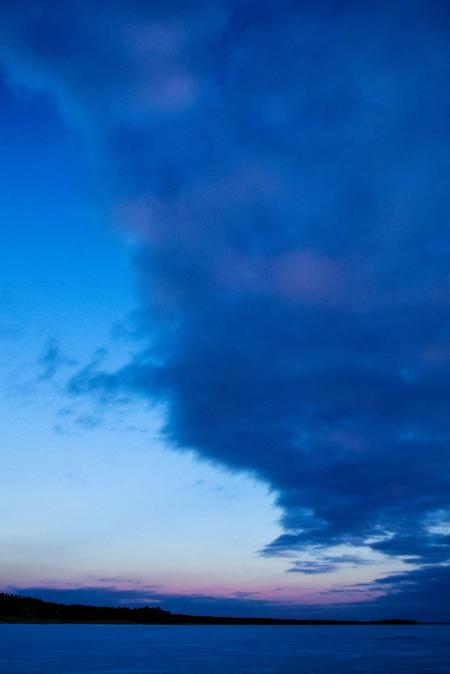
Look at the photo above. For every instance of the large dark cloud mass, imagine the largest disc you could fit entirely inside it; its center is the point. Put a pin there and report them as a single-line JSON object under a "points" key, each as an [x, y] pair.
{"points": [[284, 170]]}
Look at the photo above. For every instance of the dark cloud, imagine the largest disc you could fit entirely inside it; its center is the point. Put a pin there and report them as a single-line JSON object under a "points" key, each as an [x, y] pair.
{"points": [[422, 594], [325, 563], [312, 567], [284, 169]]}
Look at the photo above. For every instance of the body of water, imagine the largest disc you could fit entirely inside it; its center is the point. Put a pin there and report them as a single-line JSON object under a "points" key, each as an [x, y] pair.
{"points": [[145, 649]]}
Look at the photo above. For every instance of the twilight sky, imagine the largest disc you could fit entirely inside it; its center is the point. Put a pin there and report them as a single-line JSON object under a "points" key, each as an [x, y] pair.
{"points": [[225, 304]]}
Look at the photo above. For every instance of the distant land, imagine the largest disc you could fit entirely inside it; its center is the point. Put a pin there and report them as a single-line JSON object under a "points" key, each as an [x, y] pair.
{"points": [[18, 609]]}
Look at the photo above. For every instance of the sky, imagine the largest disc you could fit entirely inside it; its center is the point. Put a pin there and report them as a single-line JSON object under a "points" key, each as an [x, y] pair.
{"points": [[225, 305]]}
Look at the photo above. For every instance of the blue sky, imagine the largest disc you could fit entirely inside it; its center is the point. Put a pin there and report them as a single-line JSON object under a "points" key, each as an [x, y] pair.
{"points": [[224, 315]]}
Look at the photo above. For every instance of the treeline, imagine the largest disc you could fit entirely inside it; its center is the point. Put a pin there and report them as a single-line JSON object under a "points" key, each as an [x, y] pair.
{"points": [[30, 609], [15, 608]]}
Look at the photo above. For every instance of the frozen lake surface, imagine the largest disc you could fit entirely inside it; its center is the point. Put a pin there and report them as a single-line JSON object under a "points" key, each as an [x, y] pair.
{"points": [[145, 649]]}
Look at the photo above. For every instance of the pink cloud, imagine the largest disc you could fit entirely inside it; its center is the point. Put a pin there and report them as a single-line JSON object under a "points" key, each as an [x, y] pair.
{"points": [[144, 219], [302, 276], [175, 90], [347, 440], [436, 354], [161, 37], [308, 276]]}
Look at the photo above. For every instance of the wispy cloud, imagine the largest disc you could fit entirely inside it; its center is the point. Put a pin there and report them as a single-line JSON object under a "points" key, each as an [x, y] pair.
{"points": [[52, 360]]}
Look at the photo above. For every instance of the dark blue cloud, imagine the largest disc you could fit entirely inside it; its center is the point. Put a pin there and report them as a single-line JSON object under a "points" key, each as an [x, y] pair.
{"points": [[324, 564], [422, 594], [284, 169]]}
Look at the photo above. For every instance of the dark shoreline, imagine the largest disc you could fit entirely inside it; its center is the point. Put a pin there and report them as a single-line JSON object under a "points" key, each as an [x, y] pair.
{"points": [[211, 620], [15, 609]]}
